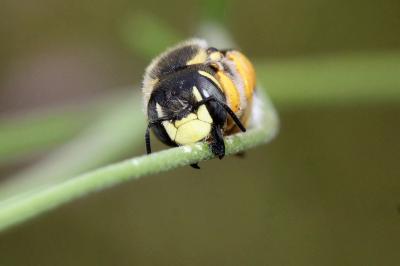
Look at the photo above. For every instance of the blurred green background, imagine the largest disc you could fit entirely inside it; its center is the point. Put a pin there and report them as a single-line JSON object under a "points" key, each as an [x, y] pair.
{"points": [[325, 192]]}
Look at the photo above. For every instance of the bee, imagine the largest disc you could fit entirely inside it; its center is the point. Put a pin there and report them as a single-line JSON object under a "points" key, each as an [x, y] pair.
{"points": [[194, 92]]}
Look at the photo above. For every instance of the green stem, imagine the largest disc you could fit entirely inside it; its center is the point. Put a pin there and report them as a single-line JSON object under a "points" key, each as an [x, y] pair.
{"points": [[363, 78], [114, 133], [19, 136], [29, 205], [25, 135]]}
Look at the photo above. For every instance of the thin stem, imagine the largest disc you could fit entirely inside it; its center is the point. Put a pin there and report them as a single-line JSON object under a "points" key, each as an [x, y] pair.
{"points": [[25, 135], [116, 132], [354, 78], [26, 206]]}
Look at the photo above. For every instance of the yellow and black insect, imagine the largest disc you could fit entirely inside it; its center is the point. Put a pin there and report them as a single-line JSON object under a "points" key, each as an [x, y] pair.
{"points": [[194, 92]]}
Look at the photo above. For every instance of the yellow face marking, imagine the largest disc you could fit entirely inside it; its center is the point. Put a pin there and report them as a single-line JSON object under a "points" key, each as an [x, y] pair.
{"points": [[197, 94], [208, 75], [199, 58], [203, 114], [186, 119], [170, 128], [192, 132], [160, 112], [193, 127]]}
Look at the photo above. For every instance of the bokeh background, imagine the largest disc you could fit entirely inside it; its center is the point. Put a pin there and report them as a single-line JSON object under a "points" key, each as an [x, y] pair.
{"points": [[325, 192]]}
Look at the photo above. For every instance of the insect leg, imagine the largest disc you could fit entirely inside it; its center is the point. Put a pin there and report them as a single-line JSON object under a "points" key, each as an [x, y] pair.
{"points": [[227, 109], [217, 142], [147, 134], [195, 165], [147, 139]]}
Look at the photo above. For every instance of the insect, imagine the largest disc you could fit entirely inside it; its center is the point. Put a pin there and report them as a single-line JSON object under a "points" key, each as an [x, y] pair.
{"points": [[194, 92]]}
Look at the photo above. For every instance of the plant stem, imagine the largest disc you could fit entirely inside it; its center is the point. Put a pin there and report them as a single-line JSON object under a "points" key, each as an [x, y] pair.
{"points": [[29, 205], [357, 78], [28, 134], [115, 132]]}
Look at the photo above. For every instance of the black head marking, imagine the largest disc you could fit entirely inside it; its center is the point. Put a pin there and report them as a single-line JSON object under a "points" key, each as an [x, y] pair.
{"points": [[174, 94]]}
